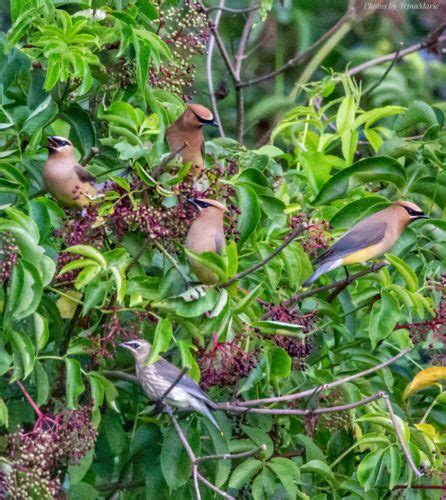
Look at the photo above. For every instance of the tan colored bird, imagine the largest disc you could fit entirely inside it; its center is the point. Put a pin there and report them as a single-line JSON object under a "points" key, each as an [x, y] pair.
{"points": [[369, 238], [189, 129], [70, 183], [157, 378], [206, 234]]}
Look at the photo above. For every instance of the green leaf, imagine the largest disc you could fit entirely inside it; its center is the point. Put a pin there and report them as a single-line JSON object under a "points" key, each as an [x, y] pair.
{"points": [[244, 472], [74, 385], [190, 309], [407, 273], [287, 472], [77, 472], [384, 317], [231, 256], [377, 169], [41, 331], [370, 469], [41, 382], [175, 463], [22, 344], [393, 465], [94, 295], [90, 252], [345, 116], [320, 469], [248, 204], [161, 340], [279, 363]]}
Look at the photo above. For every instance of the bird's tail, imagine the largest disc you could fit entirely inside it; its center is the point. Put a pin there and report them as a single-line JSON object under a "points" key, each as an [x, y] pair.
{"points": [[203, 409], [324, 268]]}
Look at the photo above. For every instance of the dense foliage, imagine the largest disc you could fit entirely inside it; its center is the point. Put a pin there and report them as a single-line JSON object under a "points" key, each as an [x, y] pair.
{"points": [[112, 75]]}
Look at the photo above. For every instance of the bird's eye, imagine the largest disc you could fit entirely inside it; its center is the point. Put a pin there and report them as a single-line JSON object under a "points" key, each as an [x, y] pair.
{"points": [[135, 345]]}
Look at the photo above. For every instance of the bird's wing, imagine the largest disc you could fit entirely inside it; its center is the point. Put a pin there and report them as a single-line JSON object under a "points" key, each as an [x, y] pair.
{"points": [[170, 372], [83, 174], [362, 235], [203, 149]]}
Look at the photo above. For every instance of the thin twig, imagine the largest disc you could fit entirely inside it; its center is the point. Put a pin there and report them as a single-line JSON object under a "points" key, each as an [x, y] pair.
{"points": [[400, 436], [384, 75], [299, 229], [388, 57], [420, 487], [137, 256], [301, 56], [93, 152], [237, 69], [234, 11], [209, 69], [309, 293], [159, 168], [193, 459], [302, 412], [174, 383], [233, 456], [324, 387], [117, 374], [171, 259]]}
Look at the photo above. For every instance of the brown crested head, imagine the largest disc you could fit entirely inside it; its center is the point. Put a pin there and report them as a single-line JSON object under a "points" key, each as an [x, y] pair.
{"points": [[410, 211], [196, 116], [204, 204], [139, 348], [60, 145]]}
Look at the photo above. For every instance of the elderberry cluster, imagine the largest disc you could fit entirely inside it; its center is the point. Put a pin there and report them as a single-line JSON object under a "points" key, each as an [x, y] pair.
{"points": [[295, 347], [224, 363], [37, 459], [78, 230], [8, 256], [419, 331], [186, 31], [315, 237]]}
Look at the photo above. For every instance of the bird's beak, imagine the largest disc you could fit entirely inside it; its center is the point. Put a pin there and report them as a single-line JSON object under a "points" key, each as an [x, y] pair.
{"points": [[424, 216], [52, 143], [124, 345], [212, 123], [193, 202]]}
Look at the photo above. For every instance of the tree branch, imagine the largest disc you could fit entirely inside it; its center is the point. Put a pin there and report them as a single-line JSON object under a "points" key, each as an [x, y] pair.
{"points": [[234, 11], [159, 168], [93, 152], [382, 59], [400, 436], [174, 383], [209, 68], [301, 56], [341, 283], [233, 456], [299, 229], [237, 69], [117, 374], [324, 387], [383, 77]]}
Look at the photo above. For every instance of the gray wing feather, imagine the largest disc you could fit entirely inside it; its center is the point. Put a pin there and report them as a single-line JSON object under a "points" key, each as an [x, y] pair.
{"points": [[83, 174], [170, 372], [362, 235]]}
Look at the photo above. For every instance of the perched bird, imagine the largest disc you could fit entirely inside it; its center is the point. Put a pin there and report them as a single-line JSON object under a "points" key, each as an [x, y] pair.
{"points": [[64, 178], [157, 378], [369, 238], [206, 234], [188, 129]]}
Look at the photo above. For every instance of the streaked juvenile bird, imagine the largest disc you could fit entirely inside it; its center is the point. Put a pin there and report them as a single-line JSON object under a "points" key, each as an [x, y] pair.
{"points": [[64, 178], [206, 234], [369, 238], [157, 378], [189, 129]]}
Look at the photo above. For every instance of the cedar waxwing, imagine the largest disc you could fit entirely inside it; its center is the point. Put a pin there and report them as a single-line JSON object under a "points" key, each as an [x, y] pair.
{"points": [[188, 129], [369, 238], [64, 178], [206, 234], [156, 378]]}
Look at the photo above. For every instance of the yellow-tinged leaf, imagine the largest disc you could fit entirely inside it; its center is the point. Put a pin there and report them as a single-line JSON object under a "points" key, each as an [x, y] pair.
{"points": [[429, 430], [66, 306], [426, 378]]}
